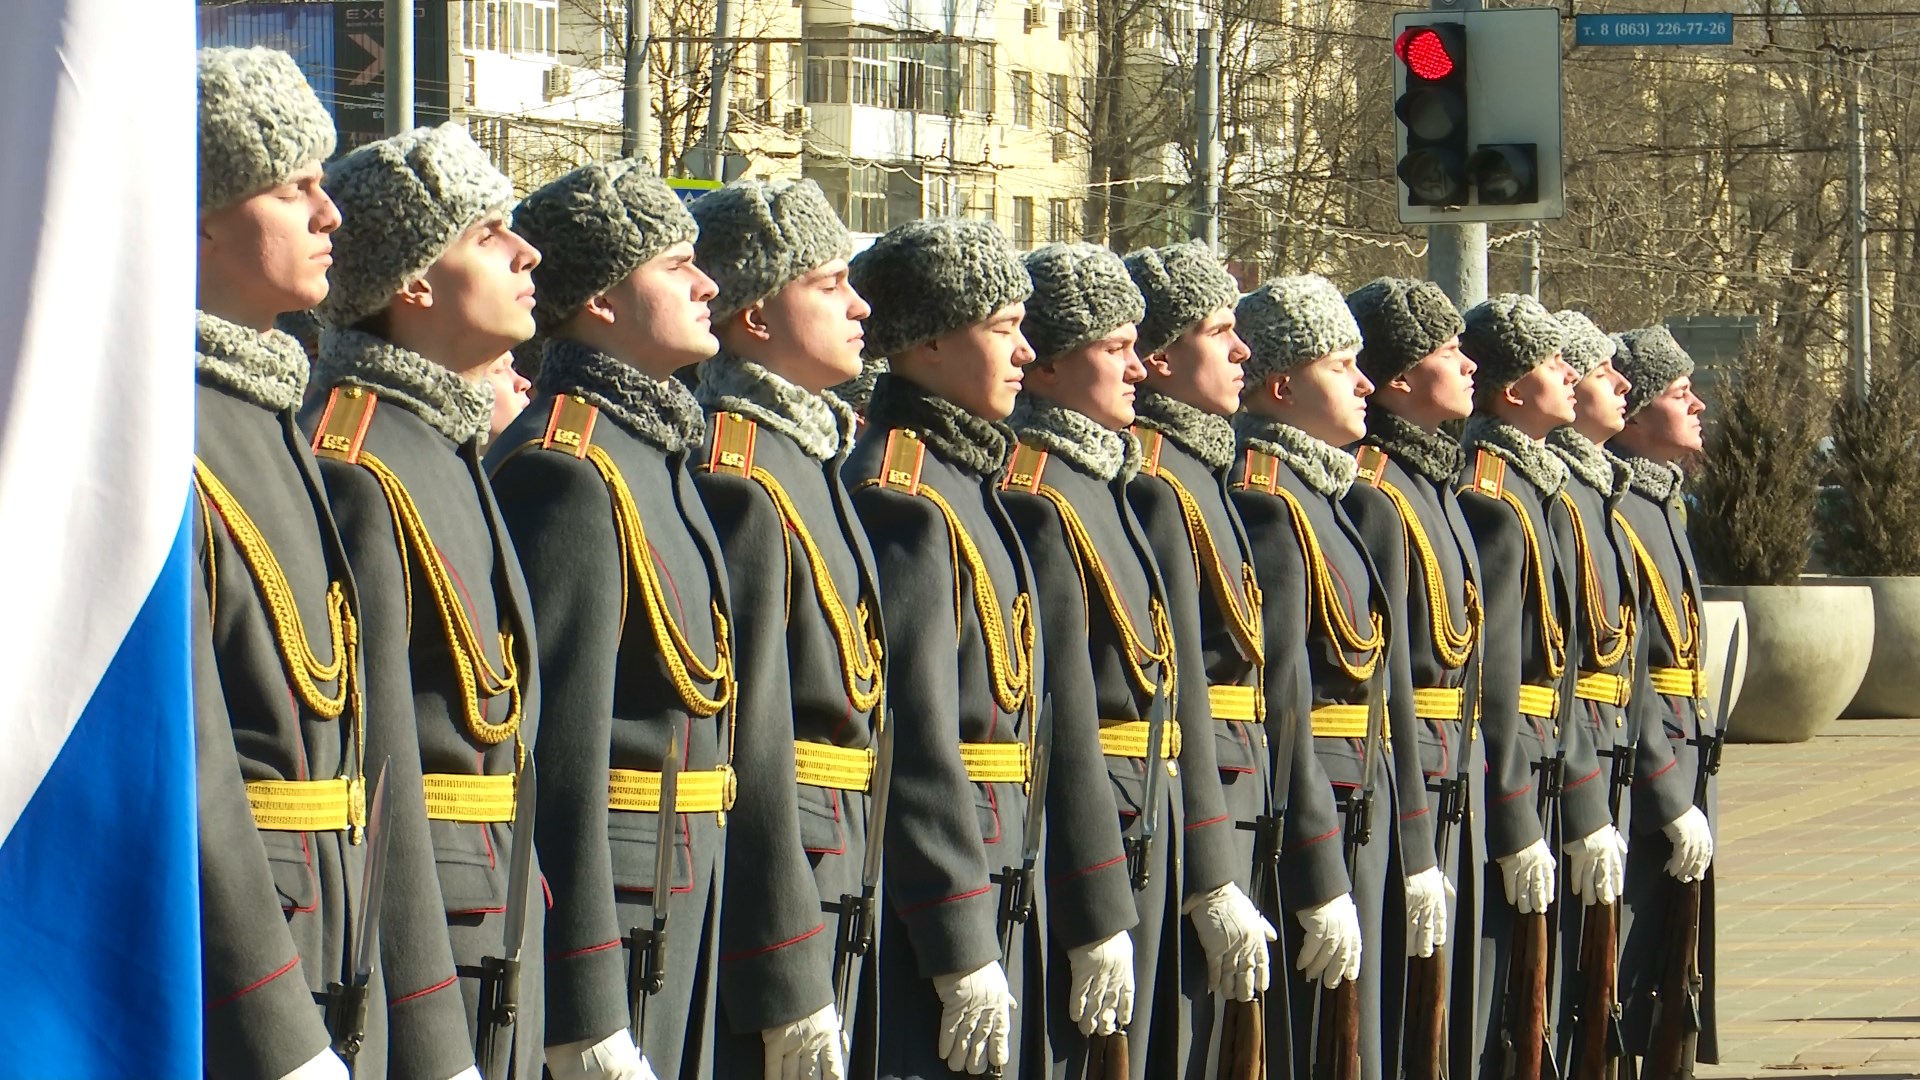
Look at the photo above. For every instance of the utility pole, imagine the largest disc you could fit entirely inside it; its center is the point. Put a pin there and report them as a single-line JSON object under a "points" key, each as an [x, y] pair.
{"points": [[1860, 332], [636, 108], [1457, 254], [399, 58], [1533, 261], [1206, 108], [717, 92]]}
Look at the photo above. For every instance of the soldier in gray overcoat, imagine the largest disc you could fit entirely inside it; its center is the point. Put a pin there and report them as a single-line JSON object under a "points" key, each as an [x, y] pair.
{"points": [[1553, 790], [803, 580], [428, 287], [629, 591], [1676, 752], [1345, 583], [1114, 669], [964, 645], [1411, 353]]}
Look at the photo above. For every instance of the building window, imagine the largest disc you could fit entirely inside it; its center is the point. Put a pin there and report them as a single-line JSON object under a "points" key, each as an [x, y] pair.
{"points": [[1057, 101], [1059, 221], [1022, 221], [867, 199], [469, 65], [1022, 98], [796, 63]]}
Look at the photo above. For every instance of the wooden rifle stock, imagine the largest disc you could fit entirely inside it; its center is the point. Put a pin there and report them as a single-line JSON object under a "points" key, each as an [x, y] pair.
{"points": [[1425, 1053], [1596, 1028], [1676, 1008], [1337, 1055], [1107, 1057], [1243, 1041], [1526, 1028]]}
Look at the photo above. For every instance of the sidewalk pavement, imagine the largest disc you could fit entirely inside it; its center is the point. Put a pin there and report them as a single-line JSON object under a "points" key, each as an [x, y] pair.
{"points": [[1818, 872]]}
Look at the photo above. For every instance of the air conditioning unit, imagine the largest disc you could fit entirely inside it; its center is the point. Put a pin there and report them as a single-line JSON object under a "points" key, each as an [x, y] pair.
{"points": [[1067, 21], [1036, 18], [558, 82], [799, 119], [1240, 143], [1062, 146], [1086, 20]]}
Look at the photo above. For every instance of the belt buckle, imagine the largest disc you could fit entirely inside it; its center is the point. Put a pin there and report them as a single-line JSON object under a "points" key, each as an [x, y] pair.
{"points": [[356, 810]]}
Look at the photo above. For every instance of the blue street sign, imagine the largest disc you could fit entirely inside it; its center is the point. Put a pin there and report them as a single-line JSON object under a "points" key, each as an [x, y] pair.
{"points": [[1685, 28]]}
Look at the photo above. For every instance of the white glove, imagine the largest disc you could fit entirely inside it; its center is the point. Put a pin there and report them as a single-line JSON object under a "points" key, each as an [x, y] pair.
{"points": [[1529, 878], [1235, 936], [471, 1072], [1101, 1000], [1427, 894], [1331, 952], [1692, 845], [807, 1049], [976, 1018], [1596, 865], [326, 1065], [612, 1058]]}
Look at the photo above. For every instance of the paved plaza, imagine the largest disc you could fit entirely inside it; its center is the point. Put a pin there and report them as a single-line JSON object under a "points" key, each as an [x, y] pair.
{"points": [[1819, 879]]}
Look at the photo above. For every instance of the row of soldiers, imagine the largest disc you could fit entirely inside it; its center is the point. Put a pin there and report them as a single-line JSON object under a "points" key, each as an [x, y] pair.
{"points": [[1031, 652]]}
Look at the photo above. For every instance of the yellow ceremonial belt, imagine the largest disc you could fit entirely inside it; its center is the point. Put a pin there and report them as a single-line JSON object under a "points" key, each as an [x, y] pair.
{"points": [[1539, 701], [1440, 703], [997, 762], [1603, 687], [1344, 722], [1679, 681], [1234, 703], [706, 791], [478, 799], [307, 805], [1128, 738], [839, 767]]}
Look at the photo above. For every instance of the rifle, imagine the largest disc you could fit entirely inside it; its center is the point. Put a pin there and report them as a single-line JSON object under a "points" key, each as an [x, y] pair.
{"points": [[647, 945], [347, 1001], [1675, 1036], [1528, 1029], [1107, 1055], [1016, 881], [855, 937], [500, 975], [1426, 1034], [1243, 1035], [1337, 1026], [1597, 1037]]}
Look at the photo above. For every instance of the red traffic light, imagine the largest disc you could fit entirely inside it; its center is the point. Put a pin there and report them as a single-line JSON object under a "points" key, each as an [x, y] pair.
{"points": [[1425, 53]]}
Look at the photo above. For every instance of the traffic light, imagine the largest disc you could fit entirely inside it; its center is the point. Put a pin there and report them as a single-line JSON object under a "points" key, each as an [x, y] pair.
{"points": [[1506, 174], [1433, 109]]}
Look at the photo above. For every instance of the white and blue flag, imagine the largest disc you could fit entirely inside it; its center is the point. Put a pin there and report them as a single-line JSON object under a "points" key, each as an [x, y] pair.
{"points": [[99, 908]]}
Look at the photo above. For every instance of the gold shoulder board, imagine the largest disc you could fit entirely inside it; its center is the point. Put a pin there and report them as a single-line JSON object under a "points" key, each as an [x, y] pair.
{"points": [[1262, 473], [733, 437], [1373, 464], [343, 424], [1489, 475], [1152, 442], [1024, 471], [570, 425], [900, 468]]}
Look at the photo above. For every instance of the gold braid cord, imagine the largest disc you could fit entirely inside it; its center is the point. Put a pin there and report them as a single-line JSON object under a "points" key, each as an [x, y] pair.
{"points": [[1327, 604], [1552, 634], [1686, 641], [1137, 653], [305, 673], [859, 649], [1454, 647], [1241, 605], [470, 664], [684, 668], [1593, 598], [1012, 682]]}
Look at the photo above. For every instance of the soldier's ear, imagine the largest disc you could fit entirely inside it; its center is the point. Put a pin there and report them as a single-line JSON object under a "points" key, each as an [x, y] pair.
{"points": [[416, 293], [597, 309], [1280, 388], [1156, 363], [754, 318]]}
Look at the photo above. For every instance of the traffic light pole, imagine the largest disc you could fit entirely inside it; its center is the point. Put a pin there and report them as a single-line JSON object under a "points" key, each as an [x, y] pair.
{"points": [[1457, 254], [399, 54]]}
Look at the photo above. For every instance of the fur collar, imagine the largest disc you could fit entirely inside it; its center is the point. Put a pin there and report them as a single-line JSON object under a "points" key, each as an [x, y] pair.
{"points": [[821, 424], [1202, 434], [1430, 454], [269, 370], [660, 411], [1530, 459], [1324, 467], [453, 406], [963, 439], [1585, 458], [1656, 480], [1107, 454]]}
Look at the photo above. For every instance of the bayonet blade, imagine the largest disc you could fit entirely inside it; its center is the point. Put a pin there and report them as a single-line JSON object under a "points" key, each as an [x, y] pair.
{"points": [[1042, 765], [668, 831], [878, 795], [520, 870], [373, 885]]}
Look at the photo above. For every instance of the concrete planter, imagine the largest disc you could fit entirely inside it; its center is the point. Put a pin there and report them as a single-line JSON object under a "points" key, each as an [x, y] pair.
{"points": [[1808, 647], [1725, 619], [1891, 689]]}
